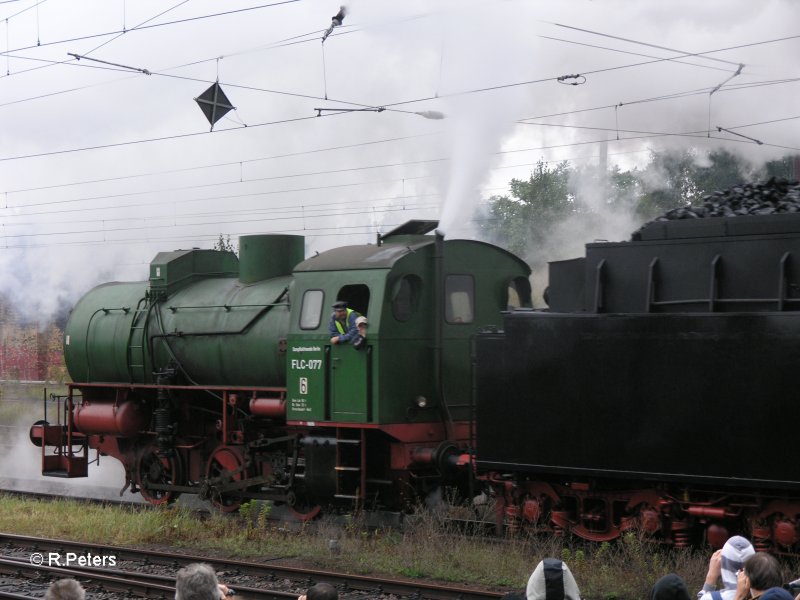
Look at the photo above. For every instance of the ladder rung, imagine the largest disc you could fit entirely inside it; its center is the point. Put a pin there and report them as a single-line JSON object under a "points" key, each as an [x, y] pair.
{"points": [[347, 468], [347, 441], [348, 496]]}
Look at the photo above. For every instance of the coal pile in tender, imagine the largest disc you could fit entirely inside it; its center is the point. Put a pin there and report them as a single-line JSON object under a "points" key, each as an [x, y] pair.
{"points": [[770, 197]]}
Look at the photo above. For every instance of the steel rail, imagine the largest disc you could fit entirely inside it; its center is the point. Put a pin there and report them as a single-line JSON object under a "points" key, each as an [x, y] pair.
{"points": [[265, 571], [150, 585]]}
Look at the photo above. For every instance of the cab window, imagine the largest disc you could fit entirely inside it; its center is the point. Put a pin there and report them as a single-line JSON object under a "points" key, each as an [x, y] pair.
{"points": [[405, 297], [311, 309], [356, 296], [459, 291]]}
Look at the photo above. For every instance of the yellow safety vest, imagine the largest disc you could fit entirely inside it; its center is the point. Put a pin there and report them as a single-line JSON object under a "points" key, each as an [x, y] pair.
{"points": [[339, 325]]}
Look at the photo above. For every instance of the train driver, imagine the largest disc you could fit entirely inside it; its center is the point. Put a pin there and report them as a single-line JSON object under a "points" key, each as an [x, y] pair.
{"points": [[343, 327]]}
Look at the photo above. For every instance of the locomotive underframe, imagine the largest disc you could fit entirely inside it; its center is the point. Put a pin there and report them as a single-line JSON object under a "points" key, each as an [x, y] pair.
{"points": [[678, 515], [234, 444]]}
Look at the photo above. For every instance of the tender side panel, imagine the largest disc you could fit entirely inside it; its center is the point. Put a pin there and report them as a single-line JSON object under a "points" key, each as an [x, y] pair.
{"points": [[707, 398]]}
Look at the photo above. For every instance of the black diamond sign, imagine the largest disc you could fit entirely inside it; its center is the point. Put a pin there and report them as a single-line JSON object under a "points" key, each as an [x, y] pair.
{"points": [[214, 104]]}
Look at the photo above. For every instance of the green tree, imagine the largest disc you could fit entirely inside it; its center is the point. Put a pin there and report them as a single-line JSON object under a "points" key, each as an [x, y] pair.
{"points": [[673, 179], [667, 182], [724, 170], [224, 244], [533, 207], [787, 167], [543, 215]]}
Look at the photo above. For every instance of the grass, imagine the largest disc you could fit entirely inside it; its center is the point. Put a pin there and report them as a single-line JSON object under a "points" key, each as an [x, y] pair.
{"points": [[622, 570]]}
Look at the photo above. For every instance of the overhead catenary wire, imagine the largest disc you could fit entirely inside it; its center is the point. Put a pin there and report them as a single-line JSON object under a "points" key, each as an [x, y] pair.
{"points": [[637, 42], [394, 104], [619, 50], [116, 34], [339, 231], [304, 208], [279, 208], [692, 134], [155, 25], [79, 88], [24, 10], [623, 140], [291, 190], [176, 136], [643, 135], [228, 163], [658, 133], [216, 222], [237, 181], [584, 73], [675, 95], [135, 27], [472, 91], [672, 96]]}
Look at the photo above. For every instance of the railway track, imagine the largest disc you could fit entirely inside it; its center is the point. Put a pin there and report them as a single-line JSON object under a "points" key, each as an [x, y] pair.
{"points": [[151, 574]]}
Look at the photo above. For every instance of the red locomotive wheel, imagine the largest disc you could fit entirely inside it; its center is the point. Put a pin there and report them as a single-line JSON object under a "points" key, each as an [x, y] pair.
{"points": [[225, 465], [302, 508], [152, 468], [305, 513]]}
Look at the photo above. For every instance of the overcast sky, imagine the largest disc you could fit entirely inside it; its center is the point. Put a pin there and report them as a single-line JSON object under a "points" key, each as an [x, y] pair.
{"points": [[103, 166]]}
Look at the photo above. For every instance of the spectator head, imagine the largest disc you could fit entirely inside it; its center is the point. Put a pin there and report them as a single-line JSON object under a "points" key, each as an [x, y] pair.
{"points": [[670, 587], [197, 582], [65, 589], [735, 551], [552, 580], [322, 591], [361, 321], [763, 571], [340, 307]]}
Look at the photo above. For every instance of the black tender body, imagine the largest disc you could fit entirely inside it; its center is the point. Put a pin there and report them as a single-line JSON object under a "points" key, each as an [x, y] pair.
{"points": [[668, 363], [703, 398]]}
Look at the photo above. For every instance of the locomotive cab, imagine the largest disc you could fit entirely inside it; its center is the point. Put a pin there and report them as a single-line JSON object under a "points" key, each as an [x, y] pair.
{"points": [[404, 396]]}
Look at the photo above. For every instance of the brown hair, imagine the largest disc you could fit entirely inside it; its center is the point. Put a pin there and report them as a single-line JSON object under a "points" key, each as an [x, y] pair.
{"points": [[763, 571], [65, 589], [322, 591]]}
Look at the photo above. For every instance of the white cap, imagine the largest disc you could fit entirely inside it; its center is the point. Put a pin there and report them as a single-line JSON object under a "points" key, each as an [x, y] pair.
{"points": [[361, 320], [552, 573]]}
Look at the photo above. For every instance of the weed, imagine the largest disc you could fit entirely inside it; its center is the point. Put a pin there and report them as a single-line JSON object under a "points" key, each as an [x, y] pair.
{"points": [[427, 547], [263, 515], [246, 511]]}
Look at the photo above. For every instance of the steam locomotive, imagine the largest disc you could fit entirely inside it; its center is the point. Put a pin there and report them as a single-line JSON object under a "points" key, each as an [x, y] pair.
{"points": [[218, 377], [655, 393]]}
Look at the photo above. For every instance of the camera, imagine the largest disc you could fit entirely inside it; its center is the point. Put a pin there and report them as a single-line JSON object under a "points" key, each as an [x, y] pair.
{"points": [[793, 586]]}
